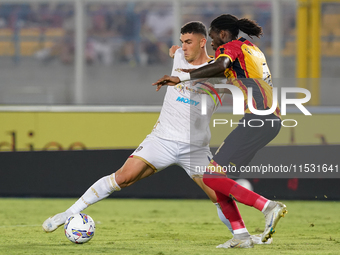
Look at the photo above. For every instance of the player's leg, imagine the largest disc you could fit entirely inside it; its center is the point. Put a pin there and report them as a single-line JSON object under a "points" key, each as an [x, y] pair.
{"points": [[132, 171], [272, 210], [191, 156], [152, 155], [211, 194], [227, 209], [241, 238], [238, 149]]}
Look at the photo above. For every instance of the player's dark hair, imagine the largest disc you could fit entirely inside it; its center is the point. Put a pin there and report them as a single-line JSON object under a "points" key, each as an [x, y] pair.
{"points": [[194, 27], [234, 25]]}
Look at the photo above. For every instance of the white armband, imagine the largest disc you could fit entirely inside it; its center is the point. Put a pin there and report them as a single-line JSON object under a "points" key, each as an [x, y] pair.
{"points": [[184, 76]]}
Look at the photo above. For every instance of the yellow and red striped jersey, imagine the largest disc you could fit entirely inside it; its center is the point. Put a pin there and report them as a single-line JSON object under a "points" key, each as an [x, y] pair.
{"points": [[249, 69]]}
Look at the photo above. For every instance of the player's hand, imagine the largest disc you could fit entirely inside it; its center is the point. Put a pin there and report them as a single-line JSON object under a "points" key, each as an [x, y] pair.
{"points": [[188, 70], [172, 50], [166, 80]]}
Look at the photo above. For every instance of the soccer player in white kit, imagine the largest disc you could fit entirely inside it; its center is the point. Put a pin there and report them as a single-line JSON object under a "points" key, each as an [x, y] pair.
{"points": [[172, 140]]}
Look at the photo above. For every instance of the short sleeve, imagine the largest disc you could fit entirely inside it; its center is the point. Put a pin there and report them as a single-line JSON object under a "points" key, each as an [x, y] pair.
{"points": [[230, 50]]}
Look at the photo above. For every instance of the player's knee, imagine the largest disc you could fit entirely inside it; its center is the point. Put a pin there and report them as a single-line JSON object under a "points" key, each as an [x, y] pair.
{"points": [[124, 179], [212, 196]]}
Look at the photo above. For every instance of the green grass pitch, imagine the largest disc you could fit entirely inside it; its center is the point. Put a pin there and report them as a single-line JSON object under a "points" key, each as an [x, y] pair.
{"points": [[162, 227]]}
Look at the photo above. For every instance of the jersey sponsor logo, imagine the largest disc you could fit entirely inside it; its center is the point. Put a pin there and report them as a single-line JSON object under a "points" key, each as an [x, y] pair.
{"points": [[187, 101], [182, 88]]}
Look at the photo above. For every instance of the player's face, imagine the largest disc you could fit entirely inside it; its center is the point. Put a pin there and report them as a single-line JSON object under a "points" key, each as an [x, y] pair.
{"points": [[192, 45], [216, 39]]}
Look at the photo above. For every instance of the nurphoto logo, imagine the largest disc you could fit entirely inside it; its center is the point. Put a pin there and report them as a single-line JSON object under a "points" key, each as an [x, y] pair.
{"points": [[238, 104]]}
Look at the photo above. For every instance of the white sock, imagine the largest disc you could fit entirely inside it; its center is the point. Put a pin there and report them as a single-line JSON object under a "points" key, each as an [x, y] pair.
{"points": [[269, 205], [241, 233], [223, 218], [98, 191], [265, 206]]}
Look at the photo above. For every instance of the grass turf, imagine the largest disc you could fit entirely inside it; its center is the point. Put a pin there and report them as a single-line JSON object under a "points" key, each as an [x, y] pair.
{"points": [[131, 226]]}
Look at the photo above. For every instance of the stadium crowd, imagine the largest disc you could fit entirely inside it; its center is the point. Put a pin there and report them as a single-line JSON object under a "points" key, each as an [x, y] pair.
{"points": [[131, 32]]}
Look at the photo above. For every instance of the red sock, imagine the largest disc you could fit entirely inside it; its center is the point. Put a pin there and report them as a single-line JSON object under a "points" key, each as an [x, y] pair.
{"points": [[230, 211], [232, 189]]}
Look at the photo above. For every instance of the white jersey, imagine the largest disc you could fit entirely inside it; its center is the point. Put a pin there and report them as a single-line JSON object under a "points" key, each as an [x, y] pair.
{"points": [[180, 118]]}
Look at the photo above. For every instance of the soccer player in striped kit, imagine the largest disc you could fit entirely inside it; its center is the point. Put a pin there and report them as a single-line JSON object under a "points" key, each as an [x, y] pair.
{"points": [[244, 66]]}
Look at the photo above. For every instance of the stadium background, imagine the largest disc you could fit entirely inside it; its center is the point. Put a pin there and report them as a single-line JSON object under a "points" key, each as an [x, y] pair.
{"points": [[77, 75]]}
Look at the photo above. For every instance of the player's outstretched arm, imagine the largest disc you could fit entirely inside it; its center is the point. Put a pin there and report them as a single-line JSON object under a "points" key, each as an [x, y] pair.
{"points": [[211, 70], [166, 80]]}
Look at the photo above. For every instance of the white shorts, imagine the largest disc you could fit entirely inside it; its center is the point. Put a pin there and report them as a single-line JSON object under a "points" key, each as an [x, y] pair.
{"points": [[160, 153]]}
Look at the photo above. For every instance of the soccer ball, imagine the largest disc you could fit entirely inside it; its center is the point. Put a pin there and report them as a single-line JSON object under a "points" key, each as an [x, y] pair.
{"points": [[245, 183], [79, 228]]}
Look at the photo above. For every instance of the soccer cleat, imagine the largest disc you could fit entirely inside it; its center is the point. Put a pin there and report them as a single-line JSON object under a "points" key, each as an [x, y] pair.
{"points": [[257, 239], [272, 218], [52, 223], [237, 243]]}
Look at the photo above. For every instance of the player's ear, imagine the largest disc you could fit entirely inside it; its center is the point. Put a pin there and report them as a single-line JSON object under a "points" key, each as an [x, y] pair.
{"points": [[223, 34], [203, 41]]}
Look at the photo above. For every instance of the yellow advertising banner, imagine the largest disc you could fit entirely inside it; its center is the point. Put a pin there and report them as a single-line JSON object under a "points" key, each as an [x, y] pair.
{"points": [[73, 130], [23, 131]]}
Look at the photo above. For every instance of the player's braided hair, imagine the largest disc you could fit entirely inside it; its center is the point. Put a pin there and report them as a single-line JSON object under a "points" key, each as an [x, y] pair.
{"points": [[234, 25]]}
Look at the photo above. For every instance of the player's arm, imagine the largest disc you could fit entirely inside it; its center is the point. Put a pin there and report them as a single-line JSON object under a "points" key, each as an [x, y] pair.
{"points": [[211, 70]]}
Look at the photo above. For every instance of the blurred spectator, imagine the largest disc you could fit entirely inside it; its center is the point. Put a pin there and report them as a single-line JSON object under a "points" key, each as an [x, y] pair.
{"points": [[157, 33]]}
